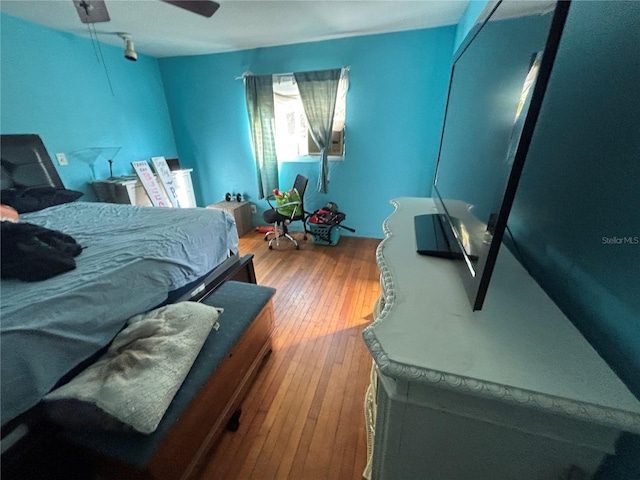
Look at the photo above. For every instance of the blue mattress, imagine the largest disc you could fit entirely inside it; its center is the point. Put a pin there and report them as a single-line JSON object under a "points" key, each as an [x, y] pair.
{"points": [[132, 258]]}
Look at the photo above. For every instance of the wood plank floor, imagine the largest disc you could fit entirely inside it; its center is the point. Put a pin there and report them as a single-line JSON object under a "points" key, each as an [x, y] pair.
{"points": [[303, 418]]}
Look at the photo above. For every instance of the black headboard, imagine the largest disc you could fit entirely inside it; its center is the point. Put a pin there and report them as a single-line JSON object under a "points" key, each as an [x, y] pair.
{"points": [[26, 163]]}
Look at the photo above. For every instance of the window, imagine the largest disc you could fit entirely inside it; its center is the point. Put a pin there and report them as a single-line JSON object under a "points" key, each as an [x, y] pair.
{"points": [[292, 137]]}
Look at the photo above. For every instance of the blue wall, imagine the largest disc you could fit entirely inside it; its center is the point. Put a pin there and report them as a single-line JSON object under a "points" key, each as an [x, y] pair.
{"points": [[53, 85], [468, 19], [581, 185], [395, 110], [395, 107], [581, 182]]}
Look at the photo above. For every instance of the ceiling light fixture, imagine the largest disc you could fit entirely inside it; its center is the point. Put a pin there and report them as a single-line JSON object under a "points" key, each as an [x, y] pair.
{"points": [[129, 50]]}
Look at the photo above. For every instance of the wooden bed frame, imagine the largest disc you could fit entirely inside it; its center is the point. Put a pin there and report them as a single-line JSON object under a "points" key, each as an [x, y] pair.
{"points": [[182, 450]]}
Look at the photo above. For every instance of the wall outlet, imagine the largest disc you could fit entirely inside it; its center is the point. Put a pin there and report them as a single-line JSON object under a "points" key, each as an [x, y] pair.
{"points": [[253, 208], [62, 159]]}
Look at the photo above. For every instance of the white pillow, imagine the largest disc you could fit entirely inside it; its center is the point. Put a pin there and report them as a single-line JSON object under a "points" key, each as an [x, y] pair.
{"points": [[133, 383]]}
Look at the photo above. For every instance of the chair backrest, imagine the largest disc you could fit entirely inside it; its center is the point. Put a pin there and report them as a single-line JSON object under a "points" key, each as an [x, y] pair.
{"points": [[301, 185]]}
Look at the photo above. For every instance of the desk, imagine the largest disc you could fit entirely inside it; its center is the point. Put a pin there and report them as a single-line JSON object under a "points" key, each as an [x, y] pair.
{"points": [[512, 391]]}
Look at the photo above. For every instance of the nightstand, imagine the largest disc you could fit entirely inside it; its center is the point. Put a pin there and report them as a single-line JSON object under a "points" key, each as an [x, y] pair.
{"points": [[241, 211]]}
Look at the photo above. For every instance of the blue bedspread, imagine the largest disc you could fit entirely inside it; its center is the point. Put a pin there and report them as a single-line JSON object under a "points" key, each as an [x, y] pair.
{"points": [[132, 258]]}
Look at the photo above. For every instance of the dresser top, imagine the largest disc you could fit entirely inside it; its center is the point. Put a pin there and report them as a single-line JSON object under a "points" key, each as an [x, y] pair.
{"points": [[125, 179], [519, 348]]}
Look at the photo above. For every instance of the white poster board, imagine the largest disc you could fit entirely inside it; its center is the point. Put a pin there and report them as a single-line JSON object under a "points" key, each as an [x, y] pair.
{"points": [[143, 170], [166, 178]]}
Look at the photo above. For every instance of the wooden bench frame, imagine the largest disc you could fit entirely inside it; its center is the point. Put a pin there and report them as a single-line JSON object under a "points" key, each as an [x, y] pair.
{"points": [[183, 451]]}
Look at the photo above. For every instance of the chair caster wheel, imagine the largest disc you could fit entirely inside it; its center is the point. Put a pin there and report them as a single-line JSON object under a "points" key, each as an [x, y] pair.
{"points": [[270, 247], [305, 237], [297, 247]]}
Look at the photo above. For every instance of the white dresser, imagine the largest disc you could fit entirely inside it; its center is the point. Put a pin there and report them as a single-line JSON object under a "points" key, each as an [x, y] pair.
{"points": [[513, 391], [129, 189]]}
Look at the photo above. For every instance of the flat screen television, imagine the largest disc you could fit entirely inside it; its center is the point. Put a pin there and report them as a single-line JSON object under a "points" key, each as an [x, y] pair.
{"points": [[498, 80]]}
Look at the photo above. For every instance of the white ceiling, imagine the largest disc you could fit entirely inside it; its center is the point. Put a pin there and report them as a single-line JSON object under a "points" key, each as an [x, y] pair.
{"points": [[159, 29]]}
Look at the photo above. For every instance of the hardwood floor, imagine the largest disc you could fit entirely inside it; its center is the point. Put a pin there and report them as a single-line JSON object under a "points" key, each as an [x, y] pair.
{"points": [[303, 418]]}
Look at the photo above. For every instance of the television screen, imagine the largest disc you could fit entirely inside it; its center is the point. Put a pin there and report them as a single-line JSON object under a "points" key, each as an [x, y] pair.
{"points": [[497, 85]]}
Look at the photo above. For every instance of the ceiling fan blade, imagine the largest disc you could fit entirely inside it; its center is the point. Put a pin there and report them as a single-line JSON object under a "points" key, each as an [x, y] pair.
{"points": [[206, 8], [92, 11]]}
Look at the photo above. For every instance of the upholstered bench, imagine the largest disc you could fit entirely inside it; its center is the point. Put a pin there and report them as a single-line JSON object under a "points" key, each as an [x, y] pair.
{"points": [[206, 401]]}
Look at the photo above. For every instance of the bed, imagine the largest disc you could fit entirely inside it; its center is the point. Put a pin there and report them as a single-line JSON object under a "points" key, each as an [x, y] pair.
{"points": [[49, 327], [133, 259]]}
